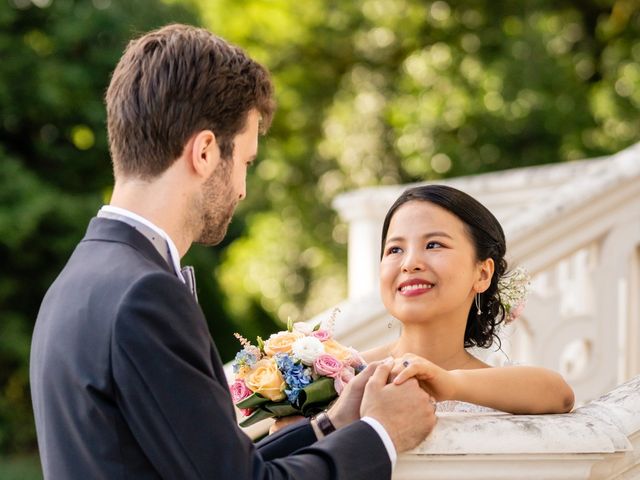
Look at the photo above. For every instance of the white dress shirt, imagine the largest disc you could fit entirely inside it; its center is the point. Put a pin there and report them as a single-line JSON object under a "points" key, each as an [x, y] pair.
{"points": [[174, 256]]}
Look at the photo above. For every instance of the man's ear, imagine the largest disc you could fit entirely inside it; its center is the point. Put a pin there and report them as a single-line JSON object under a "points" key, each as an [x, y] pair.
{"points": [[485, 274], [205, 153]]}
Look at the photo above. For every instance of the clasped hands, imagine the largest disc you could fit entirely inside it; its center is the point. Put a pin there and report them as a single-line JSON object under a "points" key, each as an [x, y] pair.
{"points": [[393, 393]]}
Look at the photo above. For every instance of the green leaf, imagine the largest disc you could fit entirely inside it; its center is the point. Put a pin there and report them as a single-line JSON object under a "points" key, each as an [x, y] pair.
{"points": [[252, 401], [282, 409], [318, 394], [256, 417]]}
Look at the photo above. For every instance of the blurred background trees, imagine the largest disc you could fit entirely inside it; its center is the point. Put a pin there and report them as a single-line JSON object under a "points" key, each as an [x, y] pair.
{"points": [[370, 92], [55, 62], [392, 91]]}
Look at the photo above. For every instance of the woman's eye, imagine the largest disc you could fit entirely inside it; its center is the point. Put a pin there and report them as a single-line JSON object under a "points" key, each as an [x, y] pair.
{"points": [[392, 250], [433, 245]]}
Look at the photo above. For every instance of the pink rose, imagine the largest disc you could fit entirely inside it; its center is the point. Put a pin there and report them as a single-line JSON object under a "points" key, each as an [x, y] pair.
{"points": [[327, 365], [322, 335], [345, 376], [239, 391], [246, 411]]}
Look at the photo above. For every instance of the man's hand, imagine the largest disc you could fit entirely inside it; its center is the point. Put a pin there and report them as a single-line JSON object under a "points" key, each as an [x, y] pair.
{"points": [[347, 407], [406, 411]]}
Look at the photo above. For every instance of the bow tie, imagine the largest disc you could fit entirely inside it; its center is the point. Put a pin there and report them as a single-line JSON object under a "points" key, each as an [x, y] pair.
{"points": [[188, 273]]}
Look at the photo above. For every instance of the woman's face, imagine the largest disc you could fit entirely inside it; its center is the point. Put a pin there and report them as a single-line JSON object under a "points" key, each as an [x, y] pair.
{"points": [[429, 268]]}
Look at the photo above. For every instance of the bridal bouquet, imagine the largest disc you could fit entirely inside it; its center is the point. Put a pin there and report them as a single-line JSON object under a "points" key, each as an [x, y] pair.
{"points": [[298, 371]]}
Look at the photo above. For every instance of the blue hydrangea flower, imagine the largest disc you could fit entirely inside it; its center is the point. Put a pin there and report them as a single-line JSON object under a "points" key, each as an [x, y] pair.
{"points": [[296, 375], [284, 362], [243, 359], [292, 395]]}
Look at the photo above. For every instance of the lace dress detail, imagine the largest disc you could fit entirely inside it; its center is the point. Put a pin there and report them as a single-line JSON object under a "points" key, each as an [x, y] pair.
{"points": [[454, 406]]}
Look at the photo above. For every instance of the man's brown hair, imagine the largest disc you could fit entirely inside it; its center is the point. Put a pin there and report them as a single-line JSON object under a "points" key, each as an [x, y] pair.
{"points": [[174, 82]]}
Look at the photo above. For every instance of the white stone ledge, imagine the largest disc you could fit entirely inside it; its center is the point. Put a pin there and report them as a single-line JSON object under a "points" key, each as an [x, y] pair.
{"points": [[600, 440], [506, 467]]}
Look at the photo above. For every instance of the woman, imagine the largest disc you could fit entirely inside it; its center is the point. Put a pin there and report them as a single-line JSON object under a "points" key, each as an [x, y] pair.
{"points": [[441, 261]]}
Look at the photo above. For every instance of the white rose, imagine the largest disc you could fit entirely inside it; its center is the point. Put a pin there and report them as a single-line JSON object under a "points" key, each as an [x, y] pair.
{"points": [[307, 349], [303, 328]]}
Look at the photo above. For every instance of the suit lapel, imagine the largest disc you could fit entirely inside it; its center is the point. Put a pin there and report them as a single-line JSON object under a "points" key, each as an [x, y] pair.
{"points": [[107, 230]]}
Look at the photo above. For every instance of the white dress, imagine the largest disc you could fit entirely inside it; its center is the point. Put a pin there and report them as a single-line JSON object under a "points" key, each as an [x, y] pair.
{"points": [[454, 406]]}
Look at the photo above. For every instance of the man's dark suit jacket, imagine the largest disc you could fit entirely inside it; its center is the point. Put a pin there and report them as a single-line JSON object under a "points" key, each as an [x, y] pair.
{"points": [[127, 383]]}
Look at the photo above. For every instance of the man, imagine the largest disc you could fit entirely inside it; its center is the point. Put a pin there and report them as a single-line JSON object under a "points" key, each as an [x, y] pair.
{"points": [[126, 381]]}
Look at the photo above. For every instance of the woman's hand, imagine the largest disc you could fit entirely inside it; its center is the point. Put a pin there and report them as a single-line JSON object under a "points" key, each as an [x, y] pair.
{"points": [[438, 382], [282, 422], [518, 390]]}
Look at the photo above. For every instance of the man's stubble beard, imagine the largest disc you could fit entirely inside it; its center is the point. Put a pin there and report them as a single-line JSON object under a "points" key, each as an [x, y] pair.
{"points": [[213, 209]]}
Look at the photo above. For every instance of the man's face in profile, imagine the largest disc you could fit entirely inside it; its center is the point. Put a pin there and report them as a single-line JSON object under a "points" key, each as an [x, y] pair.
{"points": [[227, 184]]}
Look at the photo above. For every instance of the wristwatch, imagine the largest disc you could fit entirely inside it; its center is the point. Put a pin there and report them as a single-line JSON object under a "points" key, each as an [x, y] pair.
{"points": [[324, 424]]}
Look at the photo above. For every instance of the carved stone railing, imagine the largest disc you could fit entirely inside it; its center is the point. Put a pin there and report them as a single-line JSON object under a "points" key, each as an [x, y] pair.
{"points": [[598, 441]]}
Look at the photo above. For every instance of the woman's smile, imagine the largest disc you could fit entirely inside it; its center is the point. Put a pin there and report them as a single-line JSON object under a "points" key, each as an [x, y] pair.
{"points": [[428, 267], [414, 287]]}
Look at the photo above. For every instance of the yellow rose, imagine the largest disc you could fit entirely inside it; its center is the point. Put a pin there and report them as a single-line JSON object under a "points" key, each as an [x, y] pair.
{"points": [[336, 350], [265, 379], [280, 342], [242, 372]]}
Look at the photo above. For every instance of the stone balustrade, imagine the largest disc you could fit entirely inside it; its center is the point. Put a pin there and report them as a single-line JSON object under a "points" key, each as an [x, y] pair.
{"points": [[598, 441]]}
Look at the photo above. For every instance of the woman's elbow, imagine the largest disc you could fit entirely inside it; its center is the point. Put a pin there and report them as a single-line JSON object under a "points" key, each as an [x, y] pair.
{"points": [[568, 399], [563, 397]]}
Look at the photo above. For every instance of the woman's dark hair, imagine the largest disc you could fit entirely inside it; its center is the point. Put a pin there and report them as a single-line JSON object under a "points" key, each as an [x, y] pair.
{"points": [[488, 239]]}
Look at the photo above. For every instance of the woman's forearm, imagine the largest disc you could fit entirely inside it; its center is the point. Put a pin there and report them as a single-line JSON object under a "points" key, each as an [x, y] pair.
{"points": [[516, 389]]}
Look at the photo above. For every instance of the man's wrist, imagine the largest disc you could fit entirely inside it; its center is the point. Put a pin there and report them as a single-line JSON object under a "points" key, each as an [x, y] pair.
{"points": [[322, 425], [339, 420]]}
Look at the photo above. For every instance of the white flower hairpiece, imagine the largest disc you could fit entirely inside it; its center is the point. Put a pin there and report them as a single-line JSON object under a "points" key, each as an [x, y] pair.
{"points": [[513, 289]]}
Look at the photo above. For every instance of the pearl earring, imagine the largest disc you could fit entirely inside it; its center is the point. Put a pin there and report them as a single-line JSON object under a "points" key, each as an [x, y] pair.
{"points": [[477, 300]]}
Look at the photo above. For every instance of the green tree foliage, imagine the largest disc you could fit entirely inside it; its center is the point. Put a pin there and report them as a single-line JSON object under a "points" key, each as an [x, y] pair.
{"points": [[56, 58], [370, 92], [390, 91]]}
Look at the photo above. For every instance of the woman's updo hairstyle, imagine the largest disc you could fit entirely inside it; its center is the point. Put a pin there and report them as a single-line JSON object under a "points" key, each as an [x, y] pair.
{"points": [[488, 239]]}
